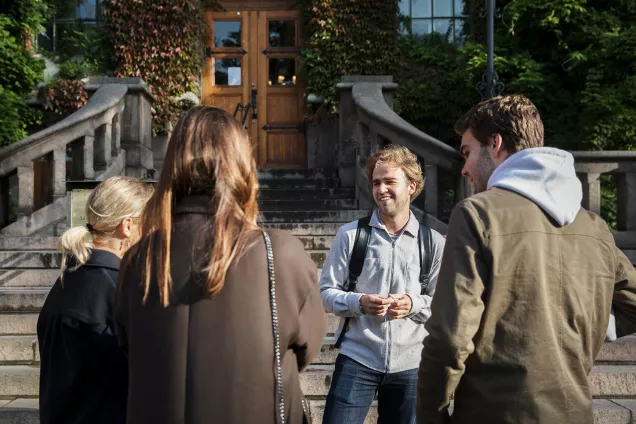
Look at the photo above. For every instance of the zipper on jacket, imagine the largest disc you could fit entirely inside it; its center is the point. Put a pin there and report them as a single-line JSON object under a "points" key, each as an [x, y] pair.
{"points": [[388, 320]]}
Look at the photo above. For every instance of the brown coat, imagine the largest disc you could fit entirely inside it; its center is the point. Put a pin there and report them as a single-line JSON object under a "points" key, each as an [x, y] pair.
{"points": [[520, 313], [211, 360]]}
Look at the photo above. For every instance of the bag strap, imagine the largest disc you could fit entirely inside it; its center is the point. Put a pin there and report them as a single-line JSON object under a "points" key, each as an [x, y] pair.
{"points": [[359, 253], [355, 265], [272, 300], [425, 243]]}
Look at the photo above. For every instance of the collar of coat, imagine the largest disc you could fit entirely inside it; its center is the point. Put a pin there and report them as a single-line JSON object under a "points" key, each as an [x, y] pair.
{"points": [[103, 259], [195, 203]]}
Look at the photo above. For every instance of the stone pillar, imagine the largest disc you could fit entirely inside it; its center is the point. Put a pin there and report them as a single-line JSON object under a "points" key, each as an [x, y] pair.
{"points": [[25, 190], [135, 123], [463, 190], [349, 150], [103, 147], [59, 173], [5, 196], [626, 202], [116, 136], [87, 164], [591, 184], [431, 205]]}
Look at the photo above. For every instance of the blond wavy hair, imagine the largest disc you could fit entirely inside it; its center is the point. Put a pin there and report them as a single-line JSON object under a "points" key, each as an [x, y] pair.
{"points": [[402, 158], [112, 201]]}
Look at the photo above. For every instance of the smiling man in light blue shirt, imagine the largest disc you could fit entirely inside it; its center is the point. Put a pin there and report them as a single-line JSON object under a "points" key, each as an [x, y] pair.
{"points": [[380, 351]]}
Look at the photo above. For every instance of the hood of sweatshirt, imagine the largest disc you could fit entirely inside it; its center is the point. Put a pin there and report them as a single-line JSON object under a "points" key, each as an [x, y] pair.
{"points": [[547, 177]]}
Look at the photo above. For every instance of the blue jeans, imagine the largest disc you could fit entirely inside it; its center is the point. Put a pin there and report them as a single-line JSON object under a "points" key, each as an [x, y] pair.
{"points": [[354, 386]]}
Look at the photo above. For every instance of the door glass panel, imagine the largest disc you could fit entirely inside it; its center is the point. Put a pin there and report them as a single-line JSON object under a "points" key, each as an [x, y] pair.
{"points": [[227, 72], [227, 33], [282, 33], [421, 8], [282, 72]]}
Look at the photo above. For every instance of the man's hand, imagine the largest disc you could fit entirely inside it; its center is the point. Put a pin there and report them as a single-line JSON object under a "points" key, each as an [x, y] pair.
{"points": [[400, 306], [374, 305]]}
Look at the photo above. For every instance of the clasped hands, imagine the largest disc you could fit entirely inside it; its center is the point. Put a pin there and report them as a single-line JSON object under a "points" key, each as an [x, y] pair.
{"points": [[396, 306]]}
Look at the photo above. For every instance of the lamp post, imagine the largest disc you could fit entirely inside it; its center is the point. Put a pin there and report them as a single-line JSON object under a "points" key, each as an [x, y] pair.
{"points": [[490, 46], [489, 86]]}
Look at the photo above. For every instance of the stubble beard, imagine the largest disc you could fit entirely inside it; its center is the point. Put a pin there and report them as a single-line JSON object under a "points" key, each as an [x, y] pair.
{"points": [[485, 167]]}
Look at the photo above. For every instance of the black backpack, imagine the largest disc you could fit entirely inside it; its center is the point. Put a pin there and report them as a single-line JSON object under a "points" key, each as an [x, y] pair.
{"points": [[363, 234]]}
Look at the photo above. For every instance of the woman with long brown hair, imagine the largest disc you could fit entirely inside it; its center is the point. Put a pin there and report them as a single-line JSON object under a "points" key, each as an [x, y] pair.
{"points": [[193, 308]]}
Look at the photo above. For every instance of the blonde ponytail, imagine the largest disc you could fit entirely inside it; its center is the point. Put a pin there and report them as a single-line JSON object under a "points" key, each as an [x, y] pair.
{"points": [[73, 244]]}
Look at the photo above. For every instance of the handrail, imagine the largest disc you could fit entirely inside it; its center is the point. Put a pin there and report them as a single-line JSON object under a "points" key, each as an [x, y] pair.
{"points": [[374, 112], [103, 104]]}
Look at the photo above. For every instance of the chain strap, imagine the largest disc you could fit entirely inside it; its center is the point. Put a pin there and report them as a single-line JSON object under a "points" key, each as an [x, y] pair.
{"points": [[272, 301]]}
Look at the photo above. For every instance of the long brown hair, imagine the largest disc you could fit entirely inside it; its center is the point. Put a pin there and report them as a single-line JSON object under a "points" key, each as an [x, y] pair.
{"points": [[209, 152]]}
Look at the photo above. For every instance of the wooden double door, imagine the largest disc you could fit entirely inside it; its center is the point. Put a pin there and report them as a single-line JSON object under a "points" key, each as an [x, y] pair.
{"points": [[252, 70]]}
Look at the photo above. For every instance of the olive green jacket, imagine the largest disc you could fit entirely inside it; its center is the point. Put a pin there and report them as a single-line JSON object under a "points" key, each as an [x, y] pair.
{"points": [[520, 313]]}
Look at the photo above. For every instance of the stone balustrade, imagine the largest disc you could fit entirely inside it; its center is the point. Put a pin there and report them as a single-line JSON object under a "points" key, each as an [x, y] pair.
{"points": [[89, 145], [368, 122]]}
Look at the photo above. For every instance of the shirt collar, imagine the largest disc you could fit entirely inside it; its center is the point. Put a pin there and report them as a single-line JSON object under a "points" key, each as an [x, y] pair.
{"points": [[412, 226], [103, 259]]}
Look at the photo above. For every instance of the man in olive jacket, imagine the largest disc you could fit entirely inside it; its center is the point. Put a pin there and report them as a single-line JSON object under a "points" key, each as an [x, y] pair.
{"points": [[526, 284]]}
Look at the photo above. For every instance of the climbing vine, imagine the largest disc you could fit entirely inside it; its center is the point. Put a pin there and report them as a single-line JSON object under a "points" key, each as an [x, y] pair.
{"points": [[347, 37], [161, 42]]}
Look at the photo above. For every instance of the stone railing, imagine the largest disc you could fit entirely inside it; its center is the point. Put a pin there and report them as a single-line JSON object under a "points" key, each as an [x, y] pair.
{"points": [[90, 144], [621, 166], [368, 122]]}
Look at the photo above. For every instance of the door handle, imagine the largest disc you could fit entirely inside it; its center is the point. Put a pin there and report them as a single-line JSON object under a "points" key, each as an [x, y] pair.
{"points": [[254, 104]]}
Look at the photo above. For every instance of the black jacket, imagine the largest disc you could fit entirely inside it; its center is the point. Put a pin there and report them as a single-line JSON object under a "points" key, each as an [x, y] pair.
{"points": [[83, 373]]}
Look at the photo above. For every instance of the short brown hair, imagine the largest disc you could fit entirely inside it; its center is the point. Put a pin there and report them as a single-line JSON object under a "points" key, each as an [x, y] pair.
{"points": [[514, 117], [402, 158]]}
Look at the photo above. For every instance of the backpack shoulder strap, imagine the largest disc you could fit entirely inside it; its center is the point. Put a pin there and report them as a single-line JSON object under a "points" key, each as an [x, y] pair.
{"points": [[359, 252], [425, 242]]}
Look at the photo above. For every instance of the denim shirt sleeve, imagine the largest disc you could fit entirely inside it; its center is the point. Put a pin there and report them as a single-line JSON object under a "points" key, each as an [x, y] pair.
{"points": [[421, 309], [334, 274]]}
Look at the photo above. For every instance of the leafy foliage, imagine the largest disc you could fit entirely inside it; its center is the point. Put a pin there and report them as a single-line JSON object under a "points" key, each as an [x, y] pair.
{"points": [[65, 96], [15, 117], [348, 37], [21, 72], [163, 47]]}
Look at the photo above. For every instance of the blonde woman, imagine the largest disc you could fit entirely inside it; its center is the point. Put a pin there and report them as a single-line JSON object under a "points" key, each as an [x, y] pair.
{"points": [[83, 373]]}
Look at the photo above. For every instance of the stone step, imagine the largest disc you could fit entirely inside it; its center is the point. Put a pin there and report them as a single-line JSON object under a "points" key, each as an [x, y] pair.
{"points": [[17, 324], [300, 194], [315, 205], [44, 277], [308, 228], [28, 243], [606, 411], [607, 381], [308, 173], [299, 183], [311, 243], [22, 299], [274, 217], [29, 260], [19, 350], [23, 349]]}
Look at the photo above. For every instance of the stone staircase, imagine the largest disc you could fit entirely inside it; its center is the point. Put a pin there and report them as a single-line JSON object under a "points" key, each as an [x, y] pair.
{"points": [[309, 204]]}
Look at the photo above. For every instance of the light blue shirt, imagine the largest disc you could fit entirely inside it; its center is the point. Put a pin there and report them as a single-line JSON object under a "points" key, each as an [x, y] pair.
{"points": [[391, 266]]}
